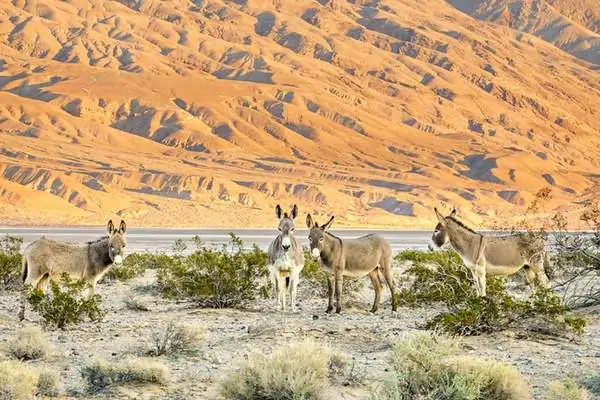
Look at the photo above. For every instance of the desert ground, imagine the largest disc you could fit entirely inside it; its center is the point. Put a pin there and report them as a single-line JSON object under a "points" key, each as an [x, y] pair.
{"points": [[228, 335]]}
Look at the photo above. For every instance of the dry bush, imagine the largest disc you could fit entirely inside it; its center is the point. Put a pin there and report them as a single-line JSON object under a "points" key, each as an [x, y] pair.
{"points": [[48, 383], [17, 381], [101, 376], [175, 339], [136, 304], [10, 261], [29, 344], [566, 389], [428, 367], [298, 371]]}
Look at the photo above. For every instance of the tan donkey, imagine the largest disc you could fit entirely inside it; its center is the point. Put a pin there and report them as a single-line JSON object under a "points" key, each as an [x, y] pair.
{"points": [[354, 258], [491, 255], [46, 259]]}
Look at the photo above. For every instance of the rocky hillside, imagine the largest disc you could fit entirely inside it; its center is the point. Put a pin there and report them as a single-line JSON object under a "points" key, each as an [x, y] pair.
{"points": [[209, 112]]}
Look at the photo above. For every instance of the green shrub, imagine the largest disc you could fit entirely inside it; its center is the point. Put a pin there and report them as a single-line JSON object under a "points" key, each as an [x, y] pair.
{"points": [[592, 383], [103, 376], [175, 339], [428, 367], [217, 278], [441, 277], [10, 261], [29, 344], [134, 265], [298, 371], [61, 308]]}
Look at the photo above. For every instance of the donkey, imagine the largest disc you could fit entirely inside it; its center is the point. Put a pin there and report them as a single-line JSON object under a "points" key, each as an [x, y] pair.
{"points": [[285, 258], [354, 258], [491, 255], [46, 259]]}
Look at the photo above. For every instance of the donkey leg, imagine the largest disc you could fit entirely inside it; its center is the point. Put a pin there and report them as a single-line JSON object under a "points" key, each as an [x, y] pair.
{"points": [[377, 286], [294, 279], [282, 292], [387, 274], [529, 277], [330, 293], [540, 273], [481, 279], [339, 284]]}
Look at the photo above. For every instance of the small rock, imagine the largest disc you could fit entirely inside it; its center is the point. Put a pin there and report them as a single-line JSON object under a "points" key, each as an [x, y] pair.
{"points": [[578, 353], [315, 316]]}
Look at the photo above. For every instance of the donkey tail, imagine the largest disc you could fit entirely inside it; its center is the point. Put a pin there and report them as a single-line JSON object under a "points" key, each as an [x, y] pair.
{"points": [[25, 269]]}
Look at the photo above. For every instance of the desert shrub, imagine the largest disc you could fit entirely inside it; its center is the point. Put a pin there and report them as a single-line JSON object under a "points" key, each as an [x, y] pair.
{"points": [[315, 278], [29, 344], [298, 371], [134, 265], [61, 308], [48, 383], [135, 304], [230, 277], [175, 339], [345, 371], [17, 381], [428, 367], [10, 261], [103, 376], [566, 389], [592, 383], [441, 277]]}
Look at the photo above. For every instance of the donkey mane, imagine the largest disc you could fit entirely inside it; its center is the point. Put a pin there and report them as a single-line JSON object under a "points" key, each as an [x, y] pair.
{"points": [[97, 240], [333, 236], [461, 224]]}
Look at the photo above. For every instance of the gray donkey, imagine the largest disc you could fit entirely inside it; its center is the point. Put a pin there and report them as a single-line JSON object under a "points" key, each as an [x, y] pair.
{"points": [[354, 258], [285, 258], [491, 255], [46, 259]]}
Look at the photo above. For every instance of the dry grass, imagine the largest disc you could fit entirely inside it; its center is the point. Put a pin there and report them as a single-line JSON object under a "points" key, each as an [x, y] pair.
{"points": [[427, 367], [17, 381], [175, 339], [135, 304], [48, 383], [298, 371], [29, 344], [566, 389], [103, 376]]}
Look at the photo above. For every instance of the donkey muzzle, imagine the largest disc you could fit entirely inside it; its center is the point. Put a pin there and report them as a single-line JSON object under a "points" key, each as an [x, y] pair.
{"points": [[118, 260], [286, 243], [315, 252]]}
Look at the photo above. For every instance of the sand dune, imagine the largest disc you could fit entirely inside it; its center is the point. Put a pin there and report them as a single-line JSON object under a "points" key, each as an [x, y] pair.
{"points": [[210, 113]]}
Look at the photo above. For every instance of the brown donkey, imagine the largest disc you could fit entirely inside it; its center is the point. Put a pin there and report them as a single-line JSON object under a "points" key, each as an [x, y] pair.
{"points": [[46, 259], [354, 258]]}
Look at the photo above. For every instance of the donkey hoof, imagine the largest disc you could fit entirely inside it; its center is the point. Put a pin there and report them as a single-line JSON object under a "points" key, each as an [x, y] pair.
{"points": [[329, 310], [338, 310]]}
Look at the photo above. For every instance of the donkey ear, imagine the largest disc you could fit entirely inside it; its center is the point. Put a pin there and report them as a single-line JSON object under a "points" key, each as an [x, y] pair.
{"points": [[110, 227], [440, 217], [278, 211], [294, 211], [328, 223], [310, 222], [122, 227]]}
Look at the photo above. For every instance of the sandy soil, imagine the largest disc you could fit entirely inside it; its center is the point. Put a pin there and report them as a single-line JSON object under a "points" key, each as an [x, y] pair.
{"points": [[230, 334]]}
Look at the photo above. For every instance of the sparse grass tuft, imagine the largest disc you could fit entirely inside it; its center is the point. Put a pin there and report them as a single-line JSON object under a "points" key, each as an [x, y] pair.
{"points": [[102, 376], [297, 371], [17, 381], [48, 383], [29, 344], [427, 367], [175, 339], [566, 389], [136, 304]]}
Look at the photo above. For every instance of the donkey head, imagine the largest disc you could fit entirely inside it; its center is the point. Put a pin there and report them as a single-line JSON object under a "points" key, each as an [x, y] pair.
{"points": [[286, 226], [316, 235], [440, 233], [116, 241]]}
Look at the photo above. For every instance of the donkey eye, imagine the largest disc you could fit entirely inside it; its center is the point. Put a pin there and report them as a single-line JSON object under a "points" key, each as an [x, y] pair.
{"points": [[292, 229], [320, 239]]}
